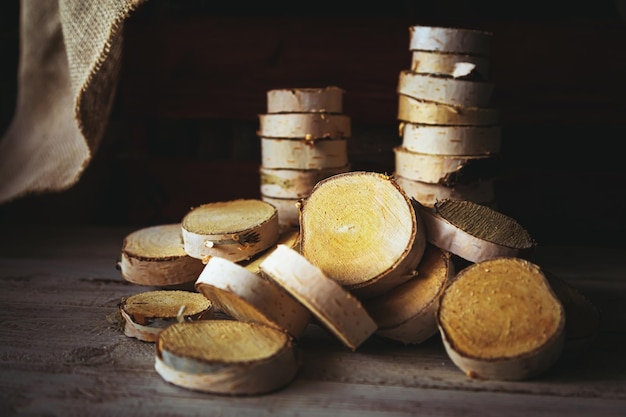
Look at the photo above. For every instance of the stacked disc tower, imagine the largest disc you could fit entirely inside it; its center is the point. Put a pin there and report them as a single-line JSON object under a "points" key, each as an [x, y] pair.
{"points": [[447, 123], [304, 138]]}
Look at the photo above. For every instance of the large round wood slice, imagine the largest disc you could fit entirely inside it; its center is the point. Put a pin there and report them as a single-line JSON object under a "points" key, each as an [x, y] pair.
{"points": [[446, 90], [475, 232], [235, 230], [288, 210], [294, 183], [452, 40], [430, 168], [289, 236], [305, 126], [227, 357], [155, 256], [361, 229], [582, 318], [453, 65], [305, 100], [480, 191], [407, 312], [450, 140], [340, 312], [304, 154], [412, 110], [245, 296], [499, 319], [146, 314]]}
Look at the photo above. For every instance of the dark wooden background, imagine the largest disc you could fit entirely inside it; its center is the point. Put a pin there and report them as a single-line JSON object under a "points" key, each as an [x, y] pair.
{"points": [[195, 77]]}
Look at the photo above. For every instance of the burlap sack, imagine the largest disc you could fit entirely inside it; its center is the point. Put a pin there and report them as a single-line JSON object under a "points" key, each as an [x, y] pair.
{"points": [[70, 52]]}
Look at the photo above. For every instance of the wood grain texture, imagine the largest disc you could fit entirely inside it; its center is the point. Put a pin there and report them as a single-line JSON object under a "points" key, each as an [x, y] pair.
{"points": [[59, 355]]}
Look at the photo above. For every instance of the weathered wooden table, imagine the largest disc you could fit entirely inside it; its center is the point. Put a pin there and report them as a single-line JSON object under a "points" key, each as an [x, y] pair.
{"points": [[60, 354]]}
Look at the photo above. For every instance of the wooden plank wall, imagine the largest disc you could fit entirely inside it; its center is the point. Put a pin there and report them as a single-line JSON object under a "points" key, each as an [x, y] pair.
{"points": [[195, 75]]}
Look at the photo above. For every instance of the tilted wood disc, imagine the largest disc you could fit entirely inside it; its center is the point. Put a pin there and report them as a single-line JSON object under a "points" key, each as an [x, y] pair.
{"points": [[413, 110], [305, 100]]}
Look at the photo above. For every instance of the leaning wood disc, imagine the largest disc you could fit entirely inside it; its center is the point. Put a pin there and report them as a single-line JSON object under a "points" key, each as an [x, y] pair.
{"points": [[475, 232], [412, 110], [446, 90], [499, 319], [480, 191], [235, 230], [227, 357], [429, 168], [155, 256], [453, 40], [361, 229], [288, 210], [294, 183], [305, 100], [304, 126], [333, 306], [146, 314], [246, 296], [304, 154], [453, 65], [407, 312], [450, 140]]}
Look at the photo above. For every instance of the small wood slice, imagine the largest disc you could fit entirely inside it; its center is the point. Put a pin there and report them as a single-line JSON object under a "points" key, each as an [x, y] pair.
{"points": [[294, 183], [407, 312], [499, 319], [361, 229], [480, 191], [446, 90], [247, 296], [305, 100], [430, 168], [452, 65], [452, 40], [146, 314], [226, 357], [155, 256], [307, 126], [451, 140], [235, 230], [340, 312], [304, 154], [412, 110], [475, 232]]}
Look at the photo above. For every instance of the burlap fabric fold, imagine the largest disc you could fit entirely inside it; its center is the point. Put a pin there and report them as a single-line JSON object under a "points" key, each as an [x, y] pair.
{"points": [[70, 55]]}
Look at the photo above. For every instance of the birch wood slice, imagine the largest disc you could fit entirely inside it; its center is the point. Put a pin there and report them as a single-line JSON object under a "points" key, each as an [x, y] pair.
{"points": [[429, 168], [582, 317], [412, 110], [289, 236], [340, 312], [475, 232], [451, 140], [361, 229], [304, 154], [305, 100], [446, 90], [146, 314], [226, 357], [305, 126], [479, 191], [499, 319], [155, 256], [294, 183], [247, 296], [235, 230], [407, 313], [288, 210], [453, 65], [453, 40]]}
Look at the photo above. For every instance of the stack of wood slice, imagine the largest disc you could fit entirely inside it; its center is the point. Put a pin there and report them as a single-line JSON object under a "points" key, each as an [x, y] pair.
{"points": [[446, 119], [304, 138]]}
